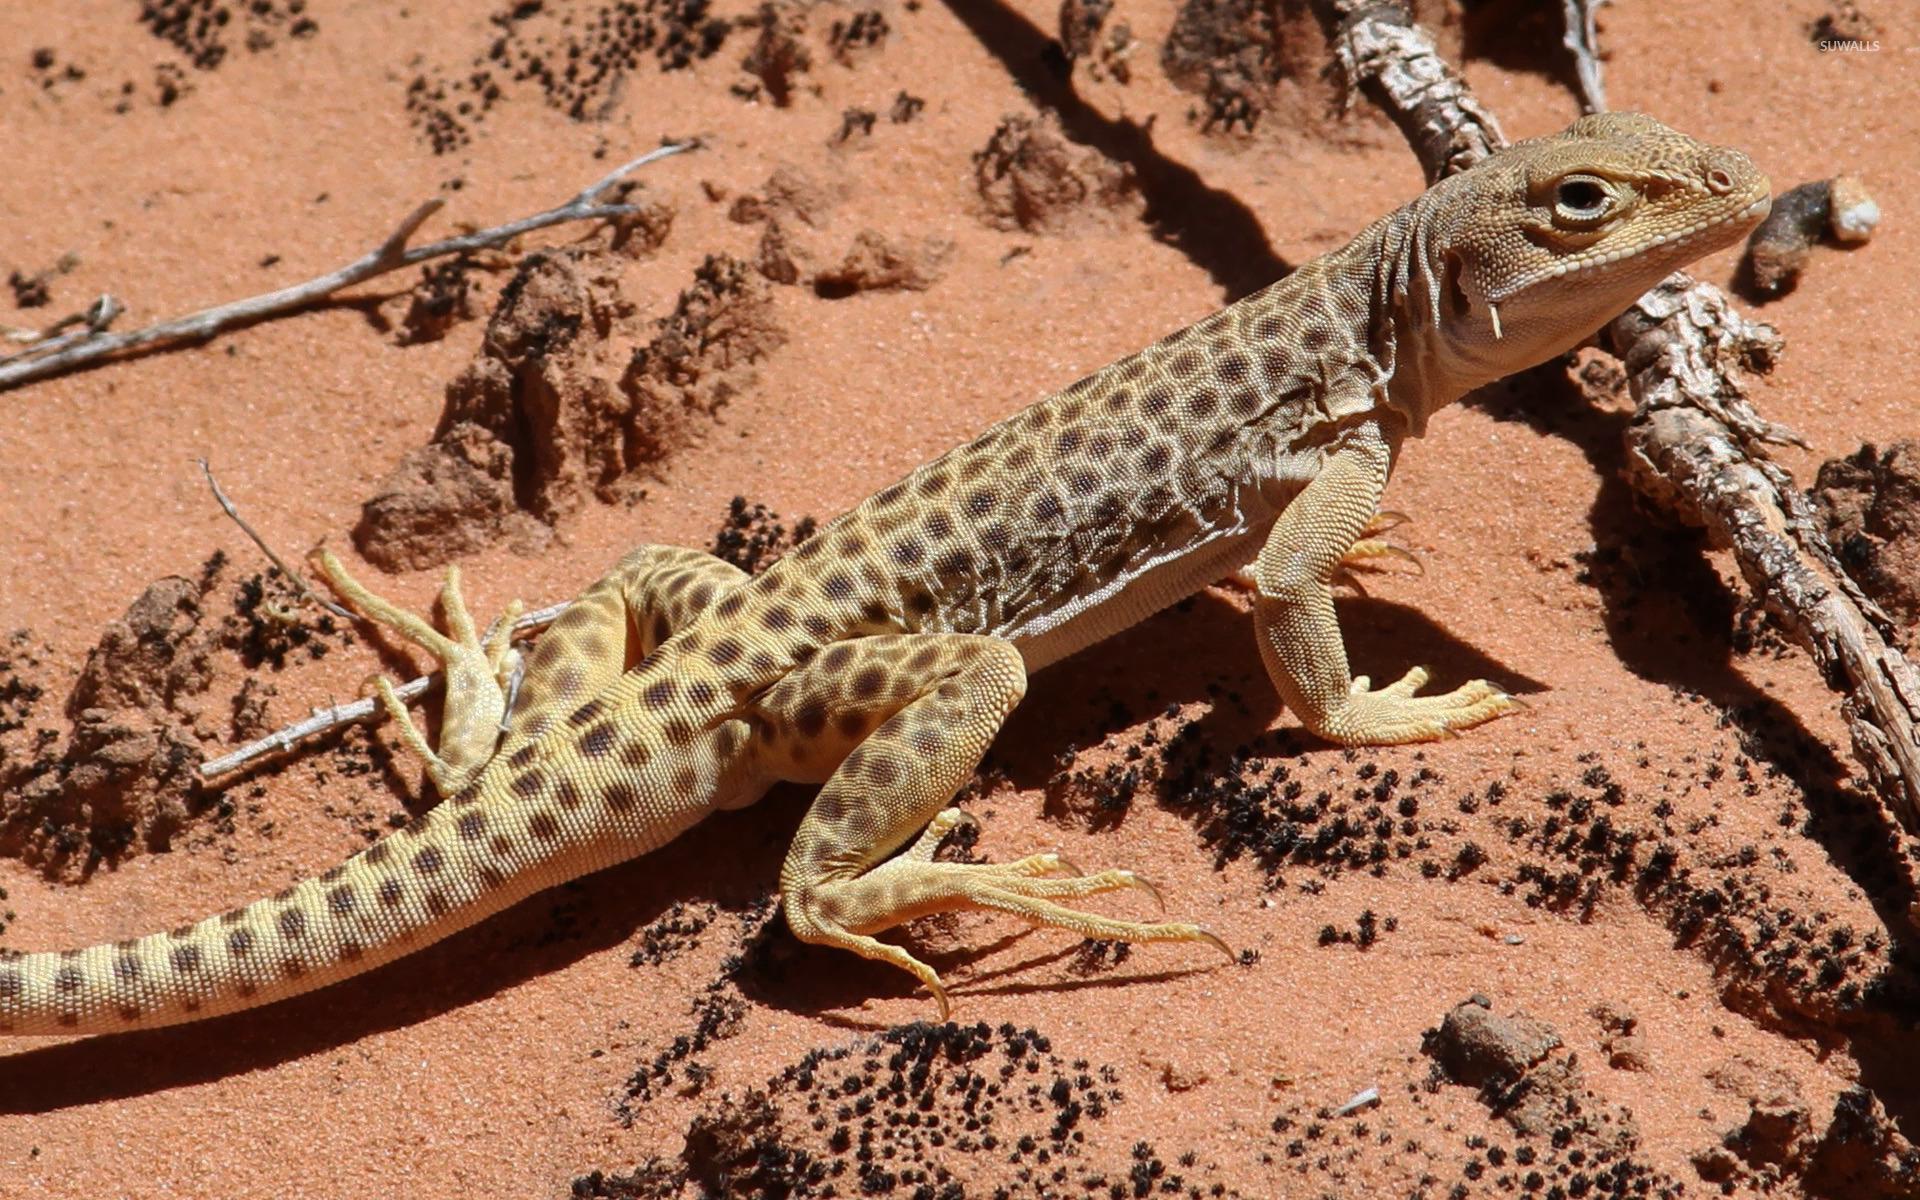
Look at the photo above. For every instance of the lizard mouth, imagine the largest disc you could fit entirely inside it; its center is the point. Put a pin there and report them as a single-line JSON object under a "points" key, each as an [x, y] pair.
{"points": [[1747, 215]]}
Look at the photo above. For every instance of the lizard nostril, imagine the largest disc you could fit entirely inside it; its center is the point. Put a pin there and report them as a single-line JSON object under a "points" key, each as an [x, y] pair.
{"points": [[1719, 182]]}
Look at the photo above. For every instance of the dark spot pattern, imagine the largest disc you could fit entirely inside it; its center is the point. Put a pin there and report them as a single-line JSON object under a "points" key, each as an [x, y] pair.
{"points": [[598, 740]]}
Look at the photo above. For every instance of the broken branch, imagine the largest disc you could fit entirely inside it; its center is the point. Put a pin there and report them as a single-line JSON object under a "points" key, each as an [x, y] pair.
{"points": [[321, 720], [56, 356], [1696, 447], [1582, 40], [298, 581]]}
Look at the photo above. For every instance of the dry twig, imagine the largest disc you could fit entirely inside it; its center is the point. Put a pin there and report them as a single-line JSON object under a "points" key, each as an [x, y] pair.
{"points": [[322, 720], [293, 576], [1583, 41], [1696, 447], [56, 356]]}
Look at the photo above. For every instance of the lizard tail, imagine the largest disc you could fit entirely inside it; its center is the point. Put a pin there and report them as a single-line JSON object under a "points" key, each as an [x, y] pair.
{"points": [[460, 863]]}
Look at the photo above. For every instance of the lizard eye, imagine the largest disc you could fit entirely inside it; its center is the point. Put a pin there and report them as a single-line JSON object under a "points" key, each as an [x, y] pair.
{"points": [[1580, 198]]}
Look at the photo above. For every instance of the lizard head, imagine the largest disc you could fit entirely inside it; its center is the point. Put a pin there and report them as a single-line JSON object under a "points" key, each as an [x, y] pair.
{"points": [[1539, 245]]}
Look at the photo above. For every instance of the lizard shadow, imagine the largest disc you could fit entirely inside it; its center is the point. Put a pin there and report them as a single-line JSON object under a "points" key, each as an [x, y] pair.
{"points": [[1204, 650], [729, 859], [1199, 652], [1212, 227]]}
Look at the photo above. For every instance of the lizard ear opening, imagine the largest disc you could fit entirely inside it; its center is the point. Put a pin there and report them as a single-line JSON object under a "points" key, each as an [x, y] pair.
{"points": [[1454, 269]]}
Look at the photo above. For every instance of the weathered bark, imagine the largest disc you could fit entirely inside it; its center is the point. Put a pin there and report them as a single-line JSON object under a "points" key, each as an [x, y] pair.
{"points": [[1696, 448]]}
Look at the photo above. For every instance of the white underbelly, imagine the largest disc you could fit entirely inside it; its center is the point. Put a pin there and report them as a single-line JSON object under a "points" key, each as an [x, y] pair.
{"points": [[1133, 598]]}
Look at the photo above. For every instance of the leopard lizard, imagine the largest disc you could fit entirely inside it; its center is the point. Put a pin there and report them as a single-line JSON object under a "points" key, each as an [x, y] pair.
{"points": [[881, 656]]}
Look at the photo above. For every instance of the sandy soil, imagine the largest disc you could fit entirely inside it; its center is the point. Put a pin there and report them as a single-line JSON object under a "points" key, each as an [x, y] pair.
{"points": [[1661, 866]]}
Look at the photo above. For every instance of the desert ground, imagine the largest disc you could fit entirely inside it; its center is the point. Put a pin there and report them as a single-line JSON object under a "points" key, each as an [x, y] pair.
{"points": [[1648, 937]]}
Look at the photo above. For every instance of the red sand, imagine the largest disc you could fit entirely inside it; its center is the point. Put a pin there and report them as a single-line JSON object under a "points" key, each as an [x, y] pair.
{"points": [[493, 1063]]}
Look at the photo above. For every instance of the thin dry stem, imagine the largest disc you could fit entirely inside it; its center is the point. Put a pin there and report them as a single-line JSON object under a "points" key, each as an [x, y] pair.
{"points": [[321, 720], [59, 355], [1582, 40], [298, 580]]}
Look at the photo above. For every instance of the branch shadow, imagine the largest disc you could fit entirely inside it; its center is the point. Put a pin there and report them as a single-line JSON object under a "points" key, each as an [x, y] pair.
{"points": [[1670, 619], [1212, 227]]}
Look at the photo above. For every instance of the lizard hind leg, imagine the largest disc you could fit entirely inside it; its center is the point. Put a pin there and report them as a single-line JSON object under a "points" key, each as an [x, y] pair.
{"points": [[651, 594], [477, 674], [932, 703]]}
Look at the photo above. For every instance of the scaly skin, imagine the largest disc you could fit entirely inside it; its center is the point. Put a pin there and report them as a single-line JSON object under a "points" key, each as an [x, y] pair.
{"points": [[881, 657]]}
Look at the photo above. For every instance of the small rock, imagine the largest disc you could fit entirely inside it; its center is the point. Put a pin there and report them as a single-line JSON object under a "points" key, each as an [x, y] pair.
{"points": [[1854, 214], [1474, 1045], [1628, 1052]]}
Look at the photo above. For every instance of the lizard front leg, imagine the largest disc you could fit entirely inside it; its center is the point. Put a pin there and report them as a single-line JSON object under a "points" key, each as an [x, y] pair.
{"points": [[900, 721], [1299, 636]]}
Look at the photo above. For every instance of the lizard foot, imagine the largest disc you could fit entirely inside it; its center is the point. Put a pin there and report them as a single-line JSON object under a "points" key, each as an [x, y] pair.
{"points": [[478, 674], [846, 912], [1393, 714], [1371, 552]]}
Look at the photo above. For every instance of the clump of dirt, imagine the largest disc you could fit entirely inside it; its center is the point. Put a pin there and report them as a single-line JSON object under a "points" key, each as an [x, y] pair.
{"points": [[1625, 1046], [939, 1111], [779, 55], [1029, 177], [700, 356], [555, 408], [673, 932], [142, 718], [795, 213], [450, 292], [21, 659], [205, 31], [575, 53], [752, 537], [1229, 51], [1080, 24], [1871, 502], [1572, 1142], [877, 263], [523, 423], [1860, 1155], [852, 38], [1476, 1046], [1236, 53], [447, 499], [1843, 21], [52, 77], [453, 291], [36, 290], [1086, 38]]}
